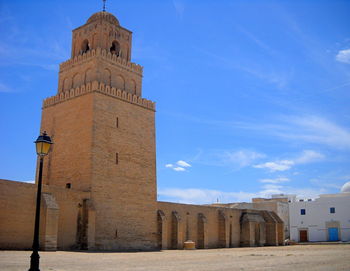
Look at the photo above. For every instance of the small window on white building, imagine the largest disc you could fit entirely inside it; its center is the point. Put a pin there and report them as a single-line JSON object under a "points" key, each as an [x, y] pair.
{"points": [[332, 210], [302, 211]]}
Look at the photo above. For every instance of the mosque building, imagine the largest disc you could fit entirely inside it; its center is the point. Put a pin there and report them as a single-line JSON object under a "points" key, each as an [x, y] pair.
{"points": [[99, 180]]}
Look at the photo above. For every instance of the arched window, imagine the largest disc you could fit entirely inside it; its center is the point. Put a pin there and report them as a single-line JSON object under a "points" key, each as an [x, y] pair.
{"points": [[88, 76], [76, 81], [85, 47], [132, 86], [118, 82], [107, 77], [115, 48]]}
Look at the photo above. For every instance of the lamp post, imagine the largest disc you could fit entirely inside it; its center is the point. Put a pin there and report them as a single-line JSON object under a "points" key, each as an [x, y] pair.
{"points": [[43, 145]]}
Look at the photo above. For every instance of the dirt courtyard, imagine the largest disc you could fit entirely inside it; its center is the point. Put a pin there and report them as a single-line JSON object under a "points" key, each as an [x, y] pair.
{"points": [[300, 257]]}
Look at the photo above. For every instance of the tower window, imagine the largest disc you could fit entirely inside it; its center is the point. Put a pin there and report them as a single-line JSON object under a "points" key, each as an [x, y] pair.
{"points": [[302, 211], [116, 158], [117, 122], [85, 47], [68, 185], [332, 210], [115, 48]]}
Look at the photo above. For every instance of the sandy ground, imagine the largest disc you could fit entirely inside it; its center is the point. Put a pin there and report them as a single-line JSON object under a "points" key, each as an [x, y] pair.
{"points": [[300, 257]]}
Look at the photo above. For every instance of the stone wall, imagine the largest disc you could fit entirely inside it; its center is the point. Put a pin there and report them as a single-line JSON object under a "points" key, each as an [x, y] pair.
{"points": [[124, 174], [58, 220], [208, 227], [100, 65], [17, 201]]}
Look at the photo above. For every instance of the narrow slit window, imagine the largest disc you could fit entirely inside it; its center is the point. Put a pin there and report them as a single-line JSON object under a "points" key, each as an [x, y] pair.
{"points": [[116, 158], [117, 122]]}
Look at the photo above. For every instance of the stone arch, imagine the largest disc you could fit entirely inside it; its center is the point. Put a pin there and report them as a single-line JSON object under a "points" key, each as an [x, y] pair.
{"points": [[253, 229], [107, 77], [88, 76], [175, 231], [222, 229], [230, 235], [65, 84], [202, 236], [76, 82], [85, 46], [82, 224], [132, 86], [118, 82], [257, 234], [162, 230], [115, 48]]}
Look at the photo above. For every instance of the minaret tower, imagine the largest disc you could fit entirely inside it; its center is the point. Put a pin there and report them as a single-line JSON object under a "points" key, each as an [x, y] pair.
{"points": [[103, 33], [104, 135]]}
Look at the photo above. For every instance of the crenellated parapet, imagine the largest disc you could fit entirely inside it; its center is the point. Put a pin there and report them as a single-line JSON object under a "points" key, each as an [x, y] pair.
{"points": [[101, 88], [112, 58]]}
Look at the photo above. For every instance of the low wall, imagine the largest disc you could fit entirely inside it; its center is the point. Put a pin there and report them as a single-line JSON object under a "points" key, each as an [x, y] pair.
{"points": [[17, 203], [207, 226], [58, 221]]}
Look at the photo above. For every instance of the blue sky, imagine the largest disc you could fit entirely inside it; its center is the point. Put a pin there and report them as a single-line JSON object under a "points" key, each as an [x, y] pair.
{"points": [[252, 96]]}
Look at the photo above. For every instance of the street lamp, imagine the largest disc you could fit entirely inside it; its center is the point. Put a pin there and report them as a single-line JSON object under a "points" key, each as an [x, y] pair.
{"points": [[43, 145]]}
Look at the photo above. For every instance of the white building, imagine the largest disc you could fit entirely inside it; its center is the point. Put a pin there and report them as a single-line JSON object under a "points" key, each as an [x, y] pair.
{"points": [[326, 218]]}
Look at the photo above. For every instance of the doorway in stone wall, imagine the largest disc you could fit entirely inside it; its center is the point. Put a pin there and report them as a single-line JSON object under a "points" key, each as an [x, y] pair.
{"points": [[82, 226], [159, 230], [231, 245], [174, 230], [257, 234], [303, 236], [200, 231], [222, 229]]}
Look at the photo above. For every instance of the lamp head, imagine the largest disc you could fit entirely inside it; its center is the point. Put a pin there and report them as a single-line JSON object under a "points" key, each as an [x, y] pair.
{"points": [[43, 144]]}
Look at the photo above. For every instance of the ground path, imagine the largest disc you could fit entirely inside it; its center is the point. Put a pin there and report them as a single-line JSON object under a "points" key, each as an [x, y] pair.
{"points": [[299, 257]]}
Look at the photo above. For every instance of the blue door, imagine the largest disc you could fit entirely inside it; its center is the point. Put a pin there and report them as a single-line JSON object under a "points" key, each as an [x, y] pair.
{"points": [[333, 234]]}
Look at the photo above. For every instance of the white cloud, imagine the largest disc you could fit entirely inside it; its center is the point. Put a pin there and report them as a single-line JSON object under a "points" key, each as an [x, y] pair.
{"points": [[224, 158], [202, 196], [183, 163], [275, 181], [307, 128], [242, 158], [269, 189], [343, 56], [329, 183], [307, 156], [315, 130], [179, 169], [207, 196], [234, 159], [276, 166], [180, 166]]}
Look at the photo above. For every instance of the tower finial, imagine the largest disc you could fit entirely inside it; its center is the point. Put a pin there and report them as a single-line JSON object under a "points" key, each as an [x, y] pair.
{"points": [[104, 5]]}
